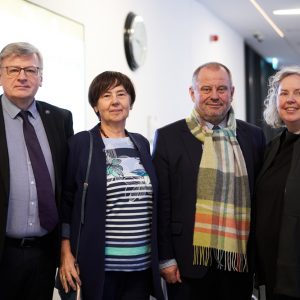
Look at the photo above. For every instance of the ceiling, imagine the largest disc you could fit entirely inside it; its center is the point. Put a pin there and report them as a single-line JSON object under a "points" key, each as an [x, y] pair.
{"points": [[242, 16]]}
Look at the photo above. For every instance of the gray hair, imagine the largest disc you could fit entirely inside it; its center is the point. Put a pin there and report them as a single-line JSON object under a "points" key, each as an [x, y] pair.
{"points": [[211, 65], [20, 49], [271, 114]]}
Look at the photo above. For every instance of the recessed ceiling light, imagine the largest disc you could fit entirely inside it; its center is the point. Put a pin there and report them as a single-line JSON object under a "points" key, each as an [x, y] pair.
{"points": [[295, 11], [267, 18]]}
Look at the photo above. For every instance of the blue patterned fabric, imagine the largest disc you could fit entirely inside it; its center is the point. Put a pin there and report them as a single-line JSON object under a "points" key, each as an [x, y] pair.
{"points": [[128, 208]]}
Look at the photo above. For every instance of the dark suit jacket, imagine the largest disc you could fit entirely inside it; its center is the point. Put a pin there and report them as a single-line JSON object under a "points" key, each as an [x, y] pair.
{"points": [[177, 154], [288, 257], [58, 125], [92, 242]]}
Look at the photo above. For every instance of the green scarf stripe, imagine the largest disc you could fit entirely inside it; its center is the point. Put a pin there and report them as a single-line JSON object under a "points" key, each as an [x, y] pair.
{"points": [[115, 251], [222, 218]]}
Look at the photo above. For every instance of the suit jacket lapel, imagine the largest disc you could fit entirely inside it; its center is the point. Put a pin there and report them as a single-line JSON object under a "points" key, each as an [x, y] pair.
{"points": [[192, 146], [49, 125], [246, 147], [296, 156], [269, 157], [4, 169]]}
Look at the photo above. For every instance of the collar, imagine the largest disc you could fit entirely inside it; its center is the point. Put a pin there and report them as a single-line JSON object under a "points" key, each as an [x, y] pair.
{"points": [[222, 125], [12, 110]]}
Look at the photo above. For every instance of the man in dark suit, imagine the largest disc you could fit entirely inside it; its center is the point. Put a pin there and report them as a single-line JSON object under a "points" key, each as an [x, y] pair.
{"points": [[206, 166], [29, 240]]}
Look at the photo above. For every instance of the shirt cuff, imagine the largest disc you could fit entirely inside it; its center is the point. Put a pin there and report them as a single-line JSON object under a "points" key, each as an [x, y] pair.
{"points": [[65, 231], [167, 263]]}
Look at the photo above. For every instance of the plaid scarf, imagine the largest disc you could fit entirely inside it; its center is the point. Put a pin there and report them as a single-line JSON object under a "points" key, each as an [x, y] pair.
{"points": [[222, 219]]}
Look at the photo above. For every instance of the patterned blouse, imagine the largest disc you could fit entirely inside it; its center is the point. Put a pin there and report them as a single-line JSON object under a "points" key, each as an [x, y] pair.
{"points": [[128, 208]]}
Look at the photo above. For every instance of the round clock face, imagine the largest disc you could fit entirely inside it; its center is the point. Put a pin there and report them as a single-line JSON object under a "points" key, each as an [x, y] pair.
{"points": [[135, 41]]}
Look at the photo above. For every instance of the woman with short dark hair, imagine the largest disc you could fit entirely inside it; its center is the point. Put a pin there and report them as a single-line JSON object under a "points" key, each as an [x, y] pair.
{"points": [[118, 248]]}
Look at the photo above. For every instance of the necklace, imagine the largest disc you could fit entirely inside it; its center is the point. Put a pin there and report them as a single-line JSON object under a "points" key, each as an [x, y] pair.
{"points": [[104, 134], [102, 131]]}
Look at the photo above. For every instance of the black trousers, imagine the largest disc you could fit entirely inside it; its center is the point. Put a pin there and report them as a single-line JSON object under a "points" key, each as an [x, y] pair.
{"points": [[214, 285], [127, 285], [27, 271], [272, 296], [280, 297]]}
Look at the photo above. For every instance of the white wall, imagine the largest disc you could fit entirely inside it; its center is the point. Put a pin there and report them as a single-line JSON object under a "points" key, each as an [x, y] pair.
{"points": [[22, 21], [178, 39], [178, 42]]}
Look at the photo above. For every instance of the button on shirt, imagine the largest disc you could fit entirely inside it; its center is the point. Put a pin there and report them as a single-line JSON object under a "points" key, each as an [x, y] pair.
{"points": [[23, 218]]}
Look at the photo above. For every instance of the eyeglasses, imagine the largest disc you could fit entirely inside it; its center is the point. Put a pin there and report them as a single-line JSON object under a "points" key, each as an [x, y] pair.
{"points": [[15, 71]]}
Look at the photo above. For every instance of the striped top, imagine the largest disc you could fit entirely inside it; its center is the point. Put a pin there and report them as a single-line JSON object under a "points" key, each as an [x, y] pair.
{"points": [[128, 208]]}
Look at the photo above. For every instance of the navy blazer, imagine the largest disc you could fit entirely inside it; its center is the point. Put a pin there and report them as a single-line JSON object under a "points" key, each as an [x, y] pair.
{"points": [[92, 242], [58, 125], [176, 156]]}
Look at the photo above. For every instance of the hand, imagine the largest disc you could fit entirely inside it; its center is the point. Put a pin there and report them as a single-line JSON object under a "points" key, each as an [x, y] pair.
{"points": [[171, 274], [68, 271]]}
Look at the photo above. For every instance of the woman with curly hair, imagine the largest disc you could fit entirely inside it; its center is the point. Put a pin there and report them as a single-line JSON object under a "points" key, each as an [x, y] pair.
{"points": [[278, 191]]}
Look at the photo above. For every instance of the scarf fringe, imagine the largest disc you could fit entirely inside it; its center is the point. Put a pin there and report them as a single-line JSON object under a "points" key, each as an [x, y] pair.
{"points": [[227, 261]]}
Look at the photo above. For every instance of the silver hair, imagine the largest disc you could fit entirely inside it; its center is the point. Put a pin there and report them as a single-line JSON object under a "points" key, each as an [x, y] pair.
{"points": [[20, 49], [271, 114]]}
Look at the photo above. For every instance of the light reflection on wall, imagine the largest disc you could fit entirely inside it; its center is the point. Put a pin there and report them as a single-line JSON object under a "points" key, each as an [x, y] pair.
{"points": [[61, 42]]}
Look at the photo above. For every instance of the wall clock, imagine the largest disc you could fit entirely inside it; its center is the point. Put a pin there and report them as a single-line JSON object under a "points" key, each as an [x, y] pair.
{"points": [[135, 41]]}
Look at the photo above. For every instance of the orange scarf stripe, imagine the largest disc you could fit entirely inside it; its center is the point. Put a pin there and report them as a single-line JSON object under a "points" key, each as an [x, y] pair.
{"points": [[221, 221]]}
